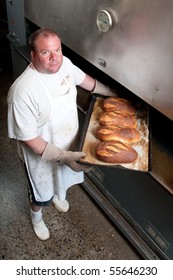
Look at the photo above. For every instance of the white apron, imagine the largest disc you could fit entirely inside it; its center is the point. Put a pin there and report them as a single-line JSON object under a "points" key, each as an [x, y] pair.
{"points": [[47, 177]]}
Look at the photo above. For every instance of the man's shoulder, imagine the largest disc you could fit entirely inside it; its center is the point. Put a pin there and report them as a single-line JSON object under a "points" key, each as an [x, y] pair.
{"points": [[24, 85], [66, 60], [26, 80], [26, 76]]}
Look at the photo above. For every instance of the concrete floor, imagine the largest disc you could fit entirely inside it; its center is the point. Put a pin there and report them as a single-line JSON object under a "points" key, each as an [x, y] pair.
{"points": [[84, 232]]}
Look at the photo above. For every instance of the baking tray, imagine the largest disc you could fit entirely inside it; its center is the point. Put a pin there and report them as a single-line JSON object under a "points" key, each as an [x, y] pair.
{"points": [[88, 139]]}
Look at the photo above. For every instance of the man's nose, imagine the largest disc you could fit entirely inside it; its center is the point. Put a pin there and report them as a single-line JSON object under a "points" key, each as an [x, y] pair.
{"points": [[53, 55]]}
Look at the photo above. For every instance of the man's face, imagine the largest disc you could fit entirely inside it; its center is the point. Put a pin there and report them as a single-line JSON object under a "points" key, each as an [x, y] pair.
{"points": [[47, 58]]}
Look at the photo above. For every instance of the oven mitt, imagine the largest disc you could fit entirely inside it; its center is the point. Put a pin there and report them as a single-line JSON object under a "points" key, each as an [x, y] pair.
{"points": [[103, 90], [69, 158]]}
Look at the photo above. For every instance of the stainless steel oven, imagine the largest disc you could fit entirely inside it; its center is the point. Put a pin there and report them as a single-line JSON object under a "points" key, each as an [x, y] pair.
{"points": [[128, 45]]}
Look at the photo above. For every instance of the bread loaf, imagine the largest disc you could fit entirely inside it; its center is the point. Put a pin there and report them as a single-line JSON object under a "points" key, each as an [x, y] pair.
{"points": [[121, 120], [119, 105], [123, 134], [115, 152]]}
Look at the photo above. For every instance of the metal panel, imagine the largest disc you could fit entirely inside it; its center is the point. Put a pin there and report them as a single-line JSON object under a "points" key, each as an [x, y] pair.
{"points": [[17, 33], [16, 22], [136, 51]]}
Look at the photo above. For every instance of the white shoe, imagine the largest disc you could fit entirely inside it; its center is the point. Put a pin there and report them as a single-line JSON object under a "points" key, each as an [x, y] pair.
{"points": [[41, 230], [62, 206]]}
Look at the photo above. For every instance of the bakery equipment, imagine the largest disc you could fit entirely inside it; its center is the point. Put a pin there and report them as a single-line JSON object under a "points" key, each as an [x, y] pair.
{"points": [[128, 45]]}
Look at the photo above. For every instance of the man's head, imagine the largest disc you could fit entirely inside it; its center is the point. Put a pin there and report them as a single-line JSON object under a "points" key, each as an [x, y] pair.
{"points": [[46, 51]]}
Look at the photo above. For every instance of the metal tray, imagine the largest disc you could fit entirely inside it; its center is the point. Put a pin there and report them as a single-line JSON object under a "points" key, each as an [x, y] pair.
{"points": [[88, 140]]}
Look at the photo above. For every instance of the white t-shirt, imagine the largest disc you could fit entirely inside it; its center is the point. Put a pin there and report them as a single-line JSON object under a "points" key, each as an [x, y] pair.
{"points": [[28, 104]]}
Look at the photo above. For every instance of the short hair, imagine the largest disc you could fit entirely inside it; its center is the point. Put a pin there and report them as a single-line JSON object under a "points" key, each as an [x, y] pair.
{"points": [[44, 32]]}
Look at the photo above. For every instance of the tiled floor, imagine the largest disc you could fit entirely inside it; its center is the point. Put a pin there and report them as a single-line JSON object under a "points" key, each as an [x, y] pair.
{"points": [[84, 232]]}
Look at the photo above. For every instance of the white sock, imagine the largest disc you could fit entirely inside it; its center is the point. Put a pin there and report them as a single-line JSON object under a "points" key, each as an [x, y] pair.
{"points": [[36, 216]]}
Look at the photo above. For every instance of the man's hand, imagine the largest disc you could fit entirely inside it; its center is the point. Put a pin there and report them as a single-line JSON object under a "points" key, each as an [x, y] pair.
{"points": [[68, 158]]}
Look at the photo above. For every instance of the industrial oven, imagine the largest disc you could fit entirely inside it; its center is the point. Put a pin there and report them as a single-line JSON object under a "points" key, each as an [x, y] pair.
{"points": [[128, 45]]}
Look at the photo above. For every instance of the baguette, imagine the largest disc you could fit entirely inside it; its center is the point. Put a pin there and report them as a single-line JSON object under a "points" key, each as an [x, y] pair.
{"points": [[119, 105], [123, 134], [115, 152], [121, 120]]}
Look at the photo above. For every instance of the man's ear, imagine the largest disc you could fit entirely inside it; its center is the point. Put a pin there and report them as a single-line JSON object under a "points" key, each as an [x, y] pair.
{"points": [[32, 54]]}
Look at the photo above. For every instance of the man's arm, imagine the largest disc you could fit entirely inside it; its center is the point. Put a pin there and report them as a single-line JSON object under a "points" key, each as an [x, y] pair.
{"points": [[95, 86], [37, 145], [88, 83]]}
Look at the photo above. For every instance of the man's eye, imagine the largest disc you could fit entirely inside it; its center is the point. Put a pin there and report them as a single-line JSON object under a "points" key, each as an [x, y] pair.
{"points": [[58, 50], [45, 53]]}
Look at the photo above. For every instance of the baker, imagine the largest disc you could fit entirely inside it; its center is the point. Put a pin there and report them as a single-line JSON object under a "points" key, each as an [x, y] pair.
{"points": [[42, 117]]}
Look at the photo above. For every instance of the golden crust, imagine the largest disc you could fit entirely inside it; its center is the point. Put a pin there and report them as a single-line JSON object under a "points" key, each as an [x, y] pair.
{"points": [[115, 152], [119, 105], [123, 134], [121, 120]]}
